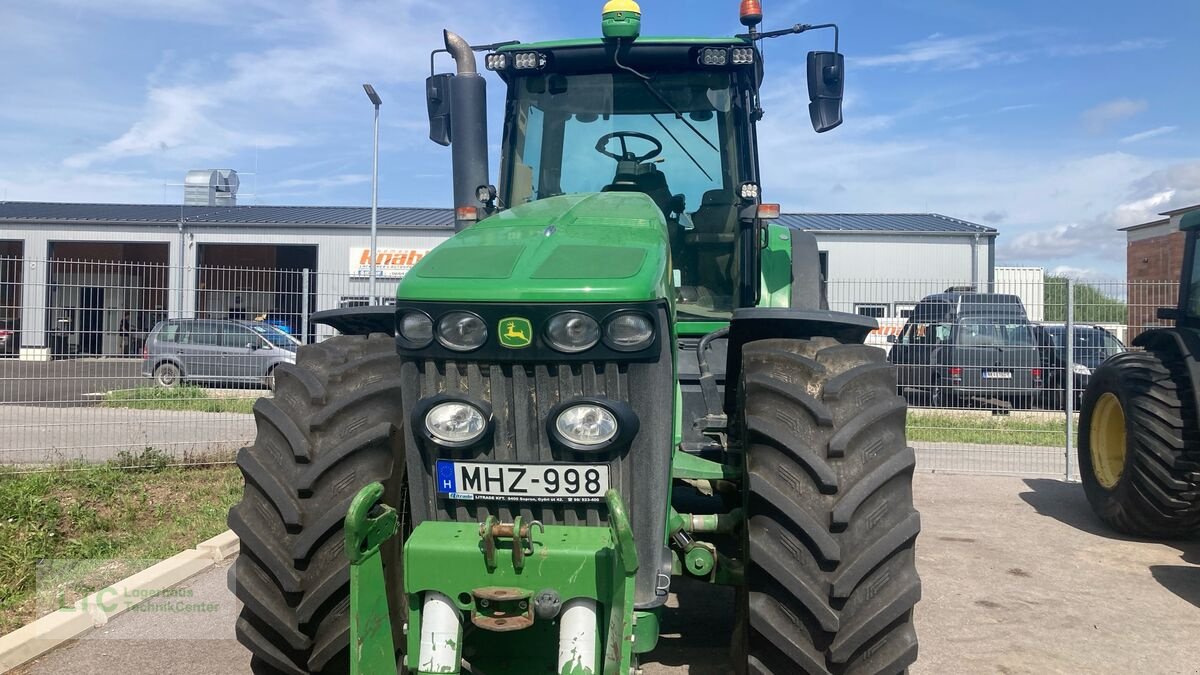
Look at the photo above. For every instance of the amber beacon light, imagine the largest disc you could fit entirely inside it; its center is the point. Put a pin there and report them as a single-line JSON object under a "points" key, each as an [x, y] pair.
{"points": [[751, 12]]}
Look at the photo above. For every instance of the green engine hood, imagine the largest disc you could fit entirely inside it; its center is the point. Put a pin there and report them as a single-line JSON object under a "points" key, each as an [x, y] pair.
{"points": [[595, 247]]}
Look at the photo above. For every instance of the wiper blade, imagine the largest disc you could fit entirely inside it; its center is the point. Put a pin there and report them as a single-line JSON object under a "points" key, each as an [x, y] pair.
{"points": [[645, 79], [685, 150]]}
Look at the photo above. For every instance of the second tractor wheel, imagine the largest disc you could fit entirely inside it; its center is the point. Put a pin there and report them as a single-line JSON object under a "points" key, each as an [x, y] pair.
{"points": [[831, 577], [1135, 425]]}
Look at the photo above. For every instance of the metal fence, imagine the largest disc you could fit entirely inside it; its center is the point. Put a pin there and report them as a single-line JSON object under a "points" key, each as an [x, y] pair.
{"points": [[86, 376]]}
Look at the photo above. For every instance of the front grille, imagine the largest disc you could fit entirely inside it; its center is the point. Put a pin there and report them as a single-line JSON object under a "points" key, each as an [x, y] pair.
{"points": [[522, 397]]}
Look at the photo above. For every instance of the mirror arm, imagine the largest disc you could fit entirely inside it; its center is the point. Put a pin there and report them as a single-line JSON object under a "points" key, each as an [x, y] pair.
{"points": [[795, 30]]}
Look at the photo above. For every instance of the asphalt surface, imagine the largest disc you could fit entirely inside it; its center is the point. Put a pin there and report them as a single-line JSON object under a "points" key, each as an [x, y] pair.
{"points": [[31, 434], [1018, 578], [66, 382]]}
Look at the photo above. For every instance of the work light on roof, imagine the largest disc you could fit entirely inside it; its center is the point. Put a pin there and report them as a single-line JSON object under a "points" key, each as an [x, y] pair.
{"points": [[496, 61], [742, 56], [714, 57], [529, 60]]}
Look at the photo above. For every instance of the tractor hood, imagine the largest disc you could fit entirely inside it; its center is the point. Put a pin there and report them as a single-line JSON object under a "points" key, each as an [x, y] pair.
{"points": [[595, 247]]}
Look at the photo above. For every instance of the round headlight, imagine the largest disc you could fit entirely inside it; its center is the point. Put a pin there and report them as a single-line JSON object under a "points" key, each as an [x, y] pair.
{"points": [[455, 422], [417, 328], [461, 331], [572, 332], [629, 332], [587, 424]]}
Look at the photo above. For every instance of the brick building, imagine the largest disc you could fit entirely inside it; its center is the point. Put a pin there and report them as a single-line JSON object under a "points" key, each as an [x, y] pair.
{"points": [[1154, 255]]}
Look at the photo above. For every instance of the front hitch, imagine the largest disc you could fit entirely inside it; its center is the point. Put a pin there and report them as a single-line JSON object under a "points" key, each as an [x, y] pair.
{"points": [[369, 523]]}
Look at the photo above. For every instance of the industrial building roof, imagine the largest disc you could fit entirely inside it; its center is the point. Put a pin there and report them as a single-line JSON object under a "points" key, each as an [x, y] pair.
{"points": [[46, 213]]}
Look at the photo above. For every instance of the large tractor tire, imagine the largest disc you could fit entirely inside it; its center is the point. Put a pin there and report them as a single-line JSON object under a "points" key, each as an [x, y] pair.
{"points": [[332, 428], [831, 579], [1139, 453]]}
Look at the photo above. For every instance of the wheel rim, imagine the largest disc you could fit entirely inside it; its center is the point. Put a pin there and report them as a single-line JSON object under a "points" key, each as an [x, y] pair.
{"points": [[167, 375], [1108, 440]]}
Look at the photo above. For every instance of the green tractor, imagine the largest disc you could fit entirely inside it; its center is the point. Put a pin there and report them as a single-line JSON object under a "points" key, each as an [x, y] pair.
{"points": [[1139, 452], [618, 372]]}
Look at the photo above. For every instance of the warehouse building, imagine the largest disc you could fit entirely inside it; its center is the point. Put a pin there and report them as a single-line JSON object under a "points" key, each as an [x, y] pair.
{"points": [[78, 278], [1154, 258]]}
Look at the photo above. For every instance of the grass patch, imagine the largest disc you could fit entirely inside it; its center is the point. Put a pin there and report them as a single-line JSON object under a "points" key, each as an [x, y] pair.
{"points": [[103, 513], [986, 429], [189, 398]]}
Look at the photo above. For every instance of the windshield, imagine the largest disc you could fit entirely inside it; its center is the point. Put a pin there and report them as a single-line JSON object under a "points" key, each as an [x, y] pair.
{"points": [[992, 332], [560, 119], [1091, 342], [673, 136], [275, 335]]}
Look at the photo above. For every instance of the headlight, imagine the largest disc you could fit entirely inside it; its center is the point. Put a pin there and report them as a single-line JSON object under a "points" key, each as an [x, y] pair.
{"points": [[587, 424], [417, 328], [455, 422], [572, 332], [461, 331], [1080, 369], [629, 332]]}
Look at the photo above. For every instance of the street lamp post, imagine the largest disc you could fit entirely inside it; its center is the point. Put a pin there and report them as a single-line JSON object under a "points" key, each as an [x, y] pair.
{"points": [[376, 101]]}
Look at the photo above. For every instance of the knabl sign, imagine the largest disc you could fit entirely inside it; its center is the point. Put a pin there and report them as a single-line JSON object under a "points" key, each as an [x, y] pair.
{"points": [[390, 263]]}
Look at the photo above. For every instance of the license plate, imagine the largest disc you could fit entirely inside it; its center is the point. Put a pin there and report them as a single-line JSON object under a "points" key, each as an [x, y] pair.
{"points": [[997, 375], [522, 482]]}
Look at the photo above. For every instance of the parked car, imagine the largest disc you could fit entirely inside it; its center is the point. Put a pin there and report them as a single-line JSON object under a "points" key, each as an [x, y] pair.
{"points": [[216, 351], [1093, 346], [10, 340], [962, 347]]}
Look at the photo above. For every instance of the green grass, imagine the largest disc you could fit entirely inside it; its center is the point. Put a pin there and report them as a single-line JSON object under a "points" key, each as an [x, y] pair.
{"points": [[194, 399], [103, 515], [985, 429]]}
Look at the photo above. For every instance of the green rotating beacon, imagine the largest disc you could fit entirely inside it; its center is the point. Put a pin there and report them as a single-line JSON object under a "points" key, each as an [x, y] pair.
{"points": [[618, 372]]}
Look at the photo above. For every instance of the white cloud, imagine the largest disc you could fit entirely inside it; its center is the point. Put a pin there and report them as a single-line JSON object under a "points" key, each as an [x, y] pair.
{"points": [[1099, 118], [964, 52], [1149, 133], [221, 108]]}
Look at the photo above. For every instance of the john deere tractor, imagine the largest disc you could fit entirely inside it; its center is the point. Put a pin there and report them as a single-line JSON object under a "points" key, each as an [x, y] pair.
{"points": [[1139, 437], [617, 373]]}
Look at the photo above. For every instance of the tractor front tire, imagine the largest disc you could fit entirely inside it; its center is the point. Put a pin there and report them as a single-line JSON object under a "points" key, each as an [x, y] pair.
{"points": [[331, 429], [1138, 455], [831, 579]]}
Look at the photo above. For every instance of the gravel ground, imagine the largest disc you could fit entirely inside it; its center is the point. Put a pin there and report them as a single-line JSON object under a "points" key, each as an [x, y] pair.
{"points": [[1018, 578]]}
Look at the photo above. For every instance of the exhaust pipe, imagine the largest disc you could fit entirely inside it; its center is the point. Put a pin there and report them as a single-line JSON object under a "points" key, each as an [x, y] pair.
{"points": [[468, 127]]}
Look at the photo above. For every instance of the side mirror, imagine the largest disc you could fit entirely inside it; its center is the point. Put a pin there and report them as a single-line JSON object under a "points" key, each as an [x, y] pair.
{"points": [[891, 339], [437, 100], [252, 346], [826, 82], [1167, 314]]}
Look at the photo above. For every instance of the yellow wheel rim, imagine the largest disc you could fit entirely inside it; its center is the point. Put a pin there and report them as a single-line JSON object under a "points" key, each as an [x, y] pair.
{"points": [[1108, 440]]}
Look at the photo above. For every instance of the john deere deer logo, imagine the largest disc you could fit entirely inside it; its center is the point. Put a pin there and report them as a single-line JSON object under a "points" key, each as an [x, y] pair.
{"points": [[515, 332]]}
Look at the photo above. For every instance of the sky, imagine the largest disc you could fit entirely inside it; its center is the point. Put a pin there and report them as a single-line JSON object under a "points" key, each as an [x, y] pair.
{"points": [[1054, 122]]}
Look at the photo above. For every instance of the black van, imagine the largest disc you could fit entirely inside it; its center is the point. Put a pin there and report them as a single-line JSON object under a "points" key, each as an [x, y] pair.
{"points": [[967, 347]]}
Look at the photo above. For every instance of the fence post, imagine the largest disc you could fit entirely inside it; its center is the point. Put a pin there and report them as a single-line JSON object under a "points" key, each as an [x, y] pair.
{"points": [[1069, 380], [304, 307]]}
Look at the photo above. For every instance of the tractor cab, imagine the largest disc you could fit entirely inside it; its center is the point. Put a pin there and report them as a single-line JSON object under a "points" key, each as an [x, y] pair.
{"points": [[673, 119]]}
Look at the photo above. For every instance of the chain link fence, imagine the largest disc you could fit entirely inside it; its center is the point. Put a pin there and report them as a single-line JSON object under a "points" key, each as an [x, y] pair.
{"points": [[112, 361]]}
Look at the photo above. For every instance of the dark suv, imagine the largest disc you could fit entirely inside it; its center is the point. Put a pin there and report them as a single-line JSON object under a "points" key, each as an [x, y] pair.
{"points": [[1093, 346], [966, 347]]}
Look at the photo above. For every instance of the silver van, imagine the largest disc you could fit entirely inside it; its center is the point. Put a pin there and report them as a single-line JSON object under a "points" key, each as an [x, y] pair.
{"points": [[216, 351]]}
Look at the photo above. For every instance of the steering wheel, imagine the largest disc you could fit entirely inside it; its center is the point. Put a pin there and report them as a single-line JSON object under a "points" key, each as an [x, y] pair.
{"points": [[626, 155]]}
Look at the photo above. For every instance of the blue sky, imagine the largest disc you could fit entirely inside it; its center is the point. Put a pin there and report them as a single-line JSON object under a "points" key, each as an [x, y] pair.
{"points": [[1055, 122]]}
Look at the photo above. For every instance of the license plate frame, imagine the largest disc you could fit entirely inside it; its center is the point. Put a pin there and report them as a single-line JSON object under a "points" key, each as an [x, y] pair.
{"points": [[521, 481]]}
